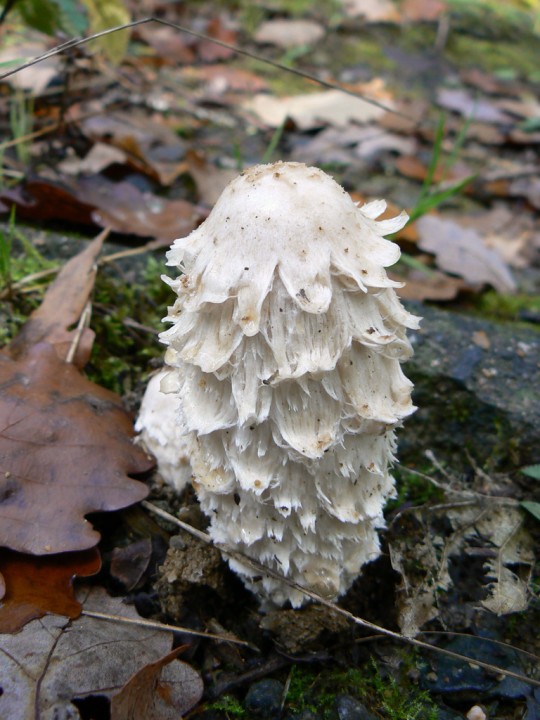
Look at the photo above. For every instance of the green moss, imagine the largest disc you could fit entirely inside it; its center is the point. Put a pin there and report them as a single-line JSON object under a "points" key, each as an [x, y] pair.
{"points": [[229, 705], [390, 698], [302, 681], [124, 316], [363, 49], [500, 306], [413, 489], [495, 56]]}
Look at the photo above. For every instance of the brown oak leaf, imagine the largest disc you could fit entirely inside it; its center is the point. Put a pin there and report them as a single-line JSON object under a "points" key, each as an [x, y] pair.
{"points": [[65, 451], [36, 586], [162, 690]]}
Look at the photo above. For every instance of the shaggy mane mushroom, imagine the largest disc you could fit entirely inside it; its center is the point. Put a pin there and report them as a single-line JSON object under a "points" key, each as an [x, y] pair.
{"points": [[283, 379]]}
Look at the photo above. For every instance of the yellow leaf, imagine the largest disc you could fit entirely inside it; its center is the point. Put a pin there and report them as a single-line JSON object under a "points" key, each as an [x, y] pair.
{"points": [[105, 14]]}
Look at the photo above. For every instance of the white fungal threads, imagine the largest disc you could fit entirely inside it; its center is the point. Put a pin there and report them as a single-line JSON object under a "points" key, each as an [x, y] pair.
{"points": [[284, 356]]}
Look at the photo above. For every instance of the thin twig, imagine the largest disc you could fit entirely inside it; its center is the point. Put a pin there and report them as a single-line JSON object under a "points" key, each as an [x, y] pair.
{"points": [[165, 627], [75, 42], [258, 567], [84, 322]]}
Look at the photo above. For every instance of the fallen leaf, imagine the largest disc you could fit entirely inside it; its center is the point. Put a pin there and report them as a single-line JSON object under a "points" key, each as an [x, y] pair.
{"points": [[423, 10], [35, 78], [36, 586], [472, 107], [371, 10], [461, 251], [149, 145], [330, 107], [209, 51], [54, 661], [210, 180], [503, 529], [222, 79], [129, 563], [61, 307], [429, 286], [162, 690], [171, 46], [527, 187], [339, 144], [41, 199], [529, 109], [511, 234], [287, 33], [423, 571], [125, 209], [99, 157], [105, 15], [66, 449], [95, 200], [412, 167], [485, 133], [489, 84], [422, 550]]}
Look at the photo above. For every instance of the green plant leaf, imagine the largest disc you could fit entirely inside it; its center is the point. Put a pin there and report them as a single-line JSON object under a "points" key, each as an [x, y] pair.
{"points": [[7, 64], [49, 16], [532, 507], [105, 14], [430, 202], [532, 471]]}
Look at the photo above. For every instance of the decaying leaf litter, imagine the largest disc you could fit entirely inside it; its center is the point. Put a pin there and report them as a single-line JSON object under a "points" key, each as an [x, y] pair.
{"points": [[211, 102]]}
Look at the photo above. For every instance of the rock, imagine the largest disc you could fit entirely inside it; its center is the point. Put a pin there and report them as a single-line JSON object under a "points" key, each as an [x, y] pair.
{"points": [[445, 714], [477, 387], [264, 698], [468, 681], [304, 715], [348, 708]]}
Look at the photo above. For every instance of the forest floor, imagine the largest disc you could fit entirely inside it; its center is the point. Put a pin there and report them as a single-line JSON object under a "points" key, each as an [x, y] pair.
{"points": [[139, 135]]}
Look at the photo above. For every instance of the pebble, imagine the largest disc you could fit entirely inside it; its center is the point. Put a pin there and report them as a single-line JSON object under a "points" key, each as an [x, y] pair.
{"points": [[348, 708], [476, 713], [264, 698]]}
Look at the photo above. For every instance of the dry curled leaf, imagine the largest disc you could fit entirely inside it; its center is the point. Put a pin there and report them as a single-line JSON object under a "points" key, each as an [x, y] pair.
{"points": [[423, 549], [95, 200], [36, 586], [162, 690], [150, 146], [330, 107], [54, 661], [61, 307], [462, 251]]}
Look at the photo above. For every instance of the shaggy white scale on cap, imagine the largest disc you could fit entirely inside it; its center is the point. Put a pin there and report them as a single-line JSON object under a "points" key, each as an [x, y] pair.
{"points": [[284, 357]]}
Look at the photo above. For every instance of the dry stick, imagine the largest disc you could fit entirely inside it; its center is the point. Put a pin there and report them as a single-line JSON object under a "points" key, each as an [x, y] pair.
{"points": [[204, 537], [84, 322], [164, 626], [75, 42]]}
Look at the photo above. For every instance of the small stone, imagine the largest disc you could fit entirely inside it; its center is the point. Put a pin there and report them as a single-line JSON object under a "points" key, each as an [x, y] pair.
{"points": [[348, 708], [264, 698], [476, 713]]}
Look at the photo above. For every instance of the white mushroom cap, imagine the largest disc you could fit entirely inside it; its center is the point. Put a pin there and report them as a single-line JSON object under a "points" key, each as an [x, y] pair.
{"points": [[285, 351]]}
